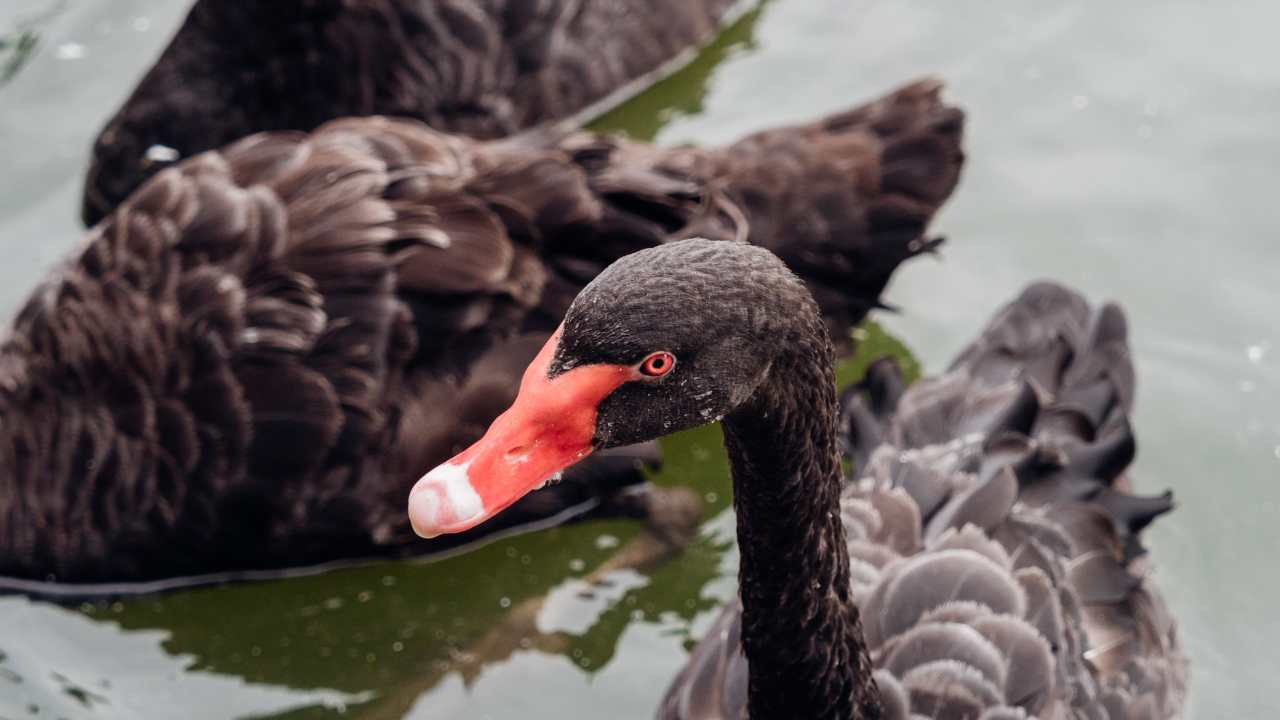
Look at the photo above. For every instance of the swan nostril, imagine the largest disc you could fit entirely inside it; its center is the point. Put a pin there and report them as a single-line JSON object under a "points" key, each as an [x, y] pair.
{"points": [[519, 453]]}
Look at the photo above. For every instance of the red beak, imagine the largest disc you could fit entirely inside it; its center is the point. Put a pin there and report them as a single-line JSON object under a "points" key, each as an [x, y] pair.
{"points": [[548, 428]]}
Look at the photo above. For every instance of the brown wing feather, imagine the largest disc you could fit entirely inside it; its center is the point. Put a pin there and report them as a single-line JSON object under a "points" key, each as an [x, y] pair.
{"points": [[843, 200], [251, 359]]}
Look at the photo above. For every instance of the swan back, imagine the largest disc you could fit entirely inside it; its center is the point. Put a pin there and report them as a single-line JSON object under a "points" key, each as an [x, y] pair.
{"points": [[486, 69]]}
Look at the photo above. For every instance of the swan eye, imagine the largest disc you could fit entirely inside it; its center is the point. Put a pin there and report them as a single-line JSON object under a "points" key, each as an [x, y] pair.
{"points": [[657, 364]]}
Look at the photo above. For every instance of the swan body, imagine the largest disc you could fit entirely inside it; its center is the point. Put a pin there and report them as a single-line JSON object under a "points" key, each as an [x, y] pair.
{"points": [[246, 365], [993, 539]]}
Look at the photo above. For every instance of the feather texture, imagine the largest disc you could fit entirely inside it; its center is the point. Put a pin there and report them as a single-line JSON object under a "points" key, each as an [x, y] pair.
{"points": [[997, 564], [485, 69], [248, 363]]}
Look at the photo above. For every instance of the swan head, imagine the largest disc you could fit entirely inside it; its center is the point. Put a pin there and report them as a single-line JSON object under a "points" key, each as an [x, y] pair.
{"points": [[662, 340]]}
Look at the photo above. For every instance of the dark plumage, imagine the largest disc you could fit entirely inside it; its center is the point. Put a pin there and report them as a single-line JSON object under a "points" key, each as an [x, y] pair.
{"points": [[250, 361], [992, 539], [485, 69]]}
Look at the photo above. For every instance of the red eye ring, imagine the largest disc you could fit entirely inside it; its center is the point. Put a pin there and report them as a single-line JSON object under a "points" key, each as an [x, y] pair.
{"points": [[657, 364]]}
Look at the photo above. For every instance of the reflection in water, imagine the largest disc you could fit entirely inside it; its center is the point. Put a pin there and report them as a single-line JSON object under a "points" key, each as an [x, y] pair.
{"points": [[58, 663], [681, 94], [19, 40], [398, 629], [15, 49]]}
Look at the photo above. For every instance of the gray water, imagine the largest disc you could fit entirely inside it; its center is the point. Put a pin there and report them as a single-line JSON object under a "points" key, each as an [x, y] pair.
{"points": [[1128, 149]]}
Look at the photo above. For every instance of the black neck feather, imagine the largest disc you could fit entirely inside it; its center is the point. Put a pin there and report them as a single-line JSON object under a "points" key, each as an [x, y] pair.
{"points": [[801, 630]]}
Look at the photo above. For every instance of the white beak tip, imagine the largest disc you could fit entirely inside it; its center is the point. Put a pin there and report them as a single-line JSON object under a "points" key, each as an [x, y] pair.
{"points": [[444, 501]]}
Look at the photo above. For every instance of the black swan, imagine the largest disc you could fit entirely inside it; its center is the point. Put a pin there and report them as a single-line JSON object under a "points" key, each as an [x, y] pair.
{"points": [[986, 564], [484, 69], [250, 361]]}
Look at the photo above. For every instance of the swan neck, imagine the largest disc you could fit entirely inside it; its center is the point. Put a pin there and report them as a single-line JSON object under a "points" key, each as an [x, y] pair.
{"points": [[800, 630]]}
